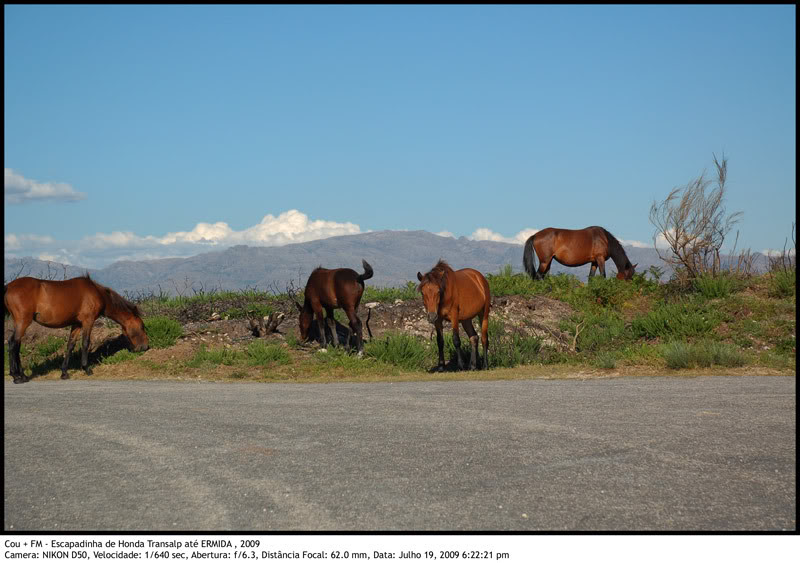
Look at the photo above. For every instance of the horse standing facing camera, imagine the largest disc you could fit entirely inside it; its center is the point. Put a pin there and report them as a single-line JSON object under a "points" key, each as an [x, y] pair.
{"points": [[458, 296]]}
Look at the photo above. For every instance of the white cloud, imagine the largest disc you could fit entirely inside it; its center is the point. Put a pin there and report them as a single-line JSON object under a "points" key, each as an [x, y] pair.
{"points": [[445, 234], [487, 234], [19, 189], [636, 243], [18, 242], [101, 249], [772, 253]]}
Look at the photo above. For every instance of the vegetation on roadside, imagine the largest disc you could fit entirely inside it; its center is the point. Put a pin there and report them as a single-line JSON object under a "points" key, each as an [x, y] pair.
{"points": [[717, 320]]}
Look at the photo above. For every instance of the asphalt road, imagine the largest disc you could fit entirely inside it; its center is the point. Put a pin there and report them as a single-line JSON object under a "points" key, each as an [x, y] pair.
{"points": [[659, 453]]}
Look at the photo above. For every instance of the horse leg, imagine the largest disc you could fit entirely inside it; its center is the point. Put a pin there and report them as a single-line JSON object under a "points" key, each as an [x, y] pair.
{"points": [[321, 324], [484, 320], [440, 344], [86, 331], [356, 328], [73, 335], [457, 344], [544, 266], [332, 322], [473, 343], [14, 346], [601, 263], [592, 269]]}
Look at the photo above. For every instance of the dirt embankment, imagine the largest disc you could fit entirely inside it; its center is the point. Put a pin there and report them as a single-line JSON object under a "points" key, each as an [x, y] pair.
{"points": [[538, 316]]}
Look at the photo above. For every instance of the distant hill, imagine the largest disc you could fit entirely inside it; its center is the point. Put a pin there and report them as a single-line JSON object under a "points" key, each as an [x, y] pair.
{"points": [[396, 257]]}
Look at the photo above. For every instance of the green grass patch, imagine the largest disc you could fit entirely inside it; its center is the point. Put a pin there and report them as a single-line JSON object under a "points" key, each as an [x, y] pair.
{"points": [[263, 354], [716, 286], [211, 357], [389, 294], [162, 332], [400, 349], [676, 320], [703, 354], [783, 283], [120, 357]]}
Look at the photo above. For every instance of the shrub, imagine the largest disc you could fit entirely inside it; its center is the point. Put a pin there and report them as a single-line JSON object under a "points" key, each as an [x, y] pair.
{"points": [[50, 346], [162, 332], [399, 349], [508, 283], [598, 330], [213, 357], [675, 320], [676, 354], [783, 283], [680, 355], [263, 354], [715, 286], [605, 360]]}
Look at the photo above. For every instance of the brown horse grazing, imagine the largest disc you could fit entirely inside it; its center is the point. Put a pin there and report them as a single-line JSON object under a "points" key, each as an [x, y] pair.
{"points": [[329, 290], [458, 296], [76, 303], [575, 248]]}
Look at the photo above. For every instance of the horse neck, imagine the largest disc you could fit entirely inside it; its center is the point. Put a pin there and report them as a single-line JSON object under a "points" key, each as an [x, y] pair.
{"points": [[617, 253], [111, 309]]}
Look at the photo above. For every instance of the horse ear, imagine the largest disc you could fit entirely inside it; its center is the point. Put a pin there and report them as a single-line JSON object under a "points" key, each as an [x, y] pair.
{"points": [[419, 276]]}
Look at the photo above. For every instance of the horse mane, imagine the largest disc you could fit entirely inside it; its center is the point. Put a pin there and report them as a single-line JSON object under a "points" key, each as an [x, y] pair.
{"points": [[117, 301], [617, 253], [438, 274]]}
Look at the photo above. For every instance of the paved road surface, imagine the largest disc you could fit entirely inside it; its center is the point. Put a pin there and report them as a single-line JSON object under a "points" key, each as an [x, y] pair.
{"points": [[709, 453]]}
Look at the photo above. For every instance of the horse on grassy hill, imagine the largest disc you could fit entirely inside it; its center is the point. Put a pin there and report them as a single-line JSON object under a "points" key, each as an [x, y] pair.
{"points": [[575, 248]]}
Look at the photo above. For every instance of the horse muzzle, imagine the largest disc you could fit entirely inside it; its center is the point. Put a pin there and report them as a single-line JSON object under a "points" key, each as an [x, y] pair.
{"points": [[432, 317]]}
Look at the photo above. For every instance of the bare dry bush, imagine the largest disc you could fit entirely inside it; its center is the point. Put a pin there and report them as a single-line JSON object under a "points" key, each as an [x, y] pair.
{"points": [[694, 223], [786, 261]]}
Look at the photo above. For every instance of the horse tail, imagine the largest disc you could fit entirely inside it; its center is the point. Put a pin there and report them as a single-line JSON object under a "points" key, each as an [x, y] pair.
{"points": [[529, 258], [367, 272]]}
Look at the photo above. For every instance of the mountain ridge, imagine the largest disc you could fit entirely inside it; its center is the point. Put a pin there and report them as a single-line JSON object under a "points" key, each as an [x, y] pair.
{"points": [[396, 257]]}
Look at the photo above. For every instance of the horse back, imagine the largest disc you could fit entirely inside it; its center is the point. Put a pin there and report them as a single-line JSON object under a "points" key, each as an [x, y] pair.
{"points": [[53, 303], [473, 292], [339, 287]]}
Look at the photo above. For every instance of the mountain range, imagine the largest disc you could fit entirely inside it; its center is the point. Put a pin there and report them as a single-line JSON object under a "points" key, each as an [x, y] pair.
{"points": [[395, 256]]}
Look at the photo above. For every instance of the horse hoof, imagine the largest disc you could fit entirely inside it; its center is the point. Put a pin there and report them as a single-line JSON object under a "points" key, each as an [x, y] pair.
{"points": [[64, 376], [21, 379]]}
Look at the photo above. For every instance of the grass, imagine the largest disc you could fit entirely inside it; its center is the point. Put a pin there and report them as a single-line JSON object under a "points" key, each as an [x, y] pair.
{"points": [[724, 321], [677, 321], [162, 332], [390, 294], [702, 354]]}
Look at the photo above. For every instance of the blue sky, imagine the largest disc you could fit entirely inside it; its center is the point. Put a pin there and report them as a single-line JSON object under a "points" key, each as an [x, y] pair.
{"points": [[154, 131]]}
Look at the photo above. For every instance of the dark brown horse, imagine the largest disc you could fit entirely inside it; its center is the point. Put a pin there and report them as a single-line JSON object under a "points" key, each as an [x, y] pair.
{"points": [[458, 296], [575, 248], [329, 290], [76, 303]]}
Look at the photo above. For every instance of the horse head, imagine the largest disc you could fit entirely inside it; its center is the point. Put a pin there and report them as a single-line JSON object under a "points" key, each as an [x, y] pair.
{"points": [[133, 327], [432, 286], [627, 273]]}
